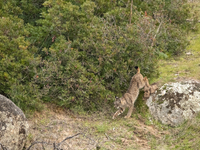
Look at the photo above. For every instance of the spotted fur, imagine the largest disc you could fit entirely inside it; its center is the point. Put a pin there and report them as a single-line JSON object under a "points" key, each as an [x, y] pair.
{"points": [[129, 98]]}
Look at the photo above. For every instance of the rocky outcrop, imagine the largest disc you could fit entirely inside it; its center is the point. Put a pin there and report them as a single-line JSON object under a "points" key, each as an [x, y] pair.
{"points": [[13, 125], [174, 103]]}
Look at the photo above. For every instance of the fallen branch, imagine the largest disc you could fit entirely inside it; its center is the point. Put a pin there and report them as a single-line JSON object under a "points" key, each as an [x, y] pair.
{"points": [[55, 147], [67, 139], [3, 148], [38, 143], [108, 137]]}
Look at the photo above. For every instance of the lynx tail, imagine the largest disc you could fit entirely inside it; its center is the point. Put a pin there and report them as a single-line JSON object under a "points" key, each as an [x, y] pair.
{"points": [[138, 69]]}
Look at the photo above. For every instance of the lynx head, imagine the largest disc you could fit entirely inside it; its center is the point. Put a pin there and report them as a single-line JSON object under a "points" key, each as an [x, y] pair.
{"points": [[119, 102]]}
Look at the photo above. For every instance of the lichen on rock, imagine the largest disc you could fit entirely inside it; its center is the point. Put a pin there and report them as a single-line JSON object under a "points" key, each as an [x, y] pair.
{"points": [[13, 125], [175, 102]]}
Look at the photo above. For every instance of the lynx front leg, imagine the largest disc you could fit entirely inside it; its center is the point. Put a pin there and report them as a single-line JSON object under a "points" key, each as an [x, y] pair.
{"points": [[129, 112], [153, 88], [117, 113]]}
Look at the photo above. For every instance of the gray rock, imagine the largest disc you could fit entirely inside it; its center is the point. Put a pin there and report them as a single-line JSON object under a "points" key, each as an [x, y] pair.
{"points": [[174, 103], [13, 125]]}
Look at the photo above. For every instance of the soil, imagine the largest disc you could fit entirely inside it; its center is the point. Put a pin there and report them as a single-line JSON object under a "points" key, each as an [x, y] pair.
{"points": [[53, 125]]}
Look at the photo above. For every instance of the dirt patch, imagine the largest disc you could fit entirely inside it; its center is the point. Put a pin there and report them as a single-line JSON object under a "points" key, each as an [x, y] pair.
{"points": [[54, 125]]}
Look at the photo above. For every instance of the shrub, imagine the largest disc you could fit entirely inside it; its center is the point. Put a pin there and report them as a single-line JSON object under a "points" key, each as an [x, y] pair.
{"points": [[16, 61], [63, 80]]}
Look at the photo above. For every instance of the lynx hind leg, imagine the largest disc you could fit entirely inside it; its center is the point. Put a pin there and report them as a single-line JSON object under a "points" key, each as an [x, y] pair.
{"points": [[129, 112], [131, 102]]}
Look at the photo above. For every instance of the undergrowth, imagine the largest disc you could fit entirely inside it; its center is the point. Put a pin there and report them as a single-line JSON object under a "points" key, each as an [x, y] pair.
{"points": [[186, 136]]}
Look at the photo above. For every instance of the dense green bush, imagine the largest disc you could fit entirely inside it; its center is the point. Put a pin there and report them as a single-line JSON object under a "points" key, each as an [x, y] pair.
{"points": [[64, 80], [17, 62], [31, 10], [104, 54], [80, 53]]}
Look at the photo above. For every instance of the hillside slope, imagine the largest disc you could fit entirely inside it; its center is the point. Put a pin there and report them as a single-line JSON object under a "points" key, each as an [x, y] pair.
{"points": [[138, 132], [99, 131]]}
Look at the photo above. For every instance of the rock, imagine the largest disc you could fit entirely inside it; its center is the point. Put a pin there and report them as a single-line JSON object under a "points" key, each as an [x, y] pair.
{"points": [[13, 125], [174, 103], [188, 53]]}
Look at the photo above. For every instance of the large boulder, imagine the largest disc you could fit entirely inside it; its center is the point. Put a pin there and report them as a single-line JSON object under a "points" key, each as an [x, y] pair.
{"points": [[13, 125], [174, 103]]}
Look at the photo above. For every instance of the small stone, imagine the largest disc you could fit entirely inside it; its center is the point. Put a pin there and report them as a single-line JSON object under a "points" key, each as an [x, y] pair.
{"points": [[188, 53]]}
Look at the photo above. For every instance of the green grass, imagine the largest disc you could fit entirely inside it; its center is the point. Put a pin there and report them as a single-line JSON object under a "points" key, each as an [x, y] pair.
{"points": [[185, 137], [184, 66], [102, 127]]}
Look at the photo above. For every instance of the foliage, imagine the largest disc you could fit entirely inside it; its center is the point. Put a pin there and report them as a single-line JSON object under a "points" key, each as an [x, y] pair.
{"points": [[65, 81], [80, 53], [31, 10], [17, 62], [173, 16]]}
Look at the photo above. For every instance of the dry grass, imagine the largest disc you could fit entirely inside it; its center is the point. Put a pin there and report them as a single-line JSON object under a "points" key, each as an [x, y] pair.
{"points": [[98, 130]]}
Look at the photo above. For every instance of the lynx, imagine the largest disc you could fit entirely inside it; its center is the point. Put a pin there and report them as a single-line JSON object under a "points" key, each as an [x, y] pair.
{"points": [[129, 98]]}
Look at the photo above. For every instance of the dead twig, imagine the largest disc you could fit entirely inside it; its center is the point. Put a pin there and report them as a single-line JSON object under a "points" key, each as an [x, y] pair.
{"points": [[55, 147], [67, 139], [131, 12], [156, 34], [3, 148], [37, 143], [108, 137]]}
